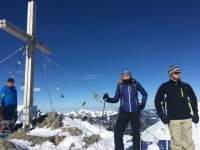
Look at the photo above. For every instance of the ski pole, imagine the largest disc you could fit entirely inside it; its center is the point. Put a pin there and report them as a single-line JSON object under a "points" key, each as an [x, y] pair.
{"points": [[140, 141], [166, 138], [165, 107], [165, 104], [140, 131]]}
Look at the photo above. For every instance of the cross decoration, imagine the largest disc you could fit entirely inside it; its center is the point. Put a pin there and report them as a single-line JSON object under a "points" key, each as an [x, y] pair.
{"points": [[33, 43]]}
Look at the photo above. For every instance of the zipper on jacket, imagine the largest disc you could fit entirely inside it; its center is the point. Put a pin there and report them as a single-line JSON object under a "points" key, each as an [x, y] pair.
{"points": [[182, 92], [178, 101], [129, 98], [136, 101], [122, 101]]}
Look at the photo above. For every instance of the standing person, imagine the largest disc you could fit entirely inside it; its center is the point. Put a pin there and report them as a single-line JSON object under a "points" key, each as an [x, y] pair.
{"points": [[9, 99], [179, 96], [127, 92]]}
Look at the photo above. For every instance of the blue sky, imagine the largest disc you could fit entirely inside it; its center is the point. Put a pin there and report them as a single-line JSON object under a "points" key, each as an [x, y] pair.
{"points": [[95, 40]]}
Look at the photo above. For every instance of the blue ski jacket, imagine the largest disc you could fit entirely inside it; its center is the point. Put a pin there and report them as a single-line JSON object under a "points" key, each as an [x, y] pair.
{"points": [[128, 93], [10, 96]]}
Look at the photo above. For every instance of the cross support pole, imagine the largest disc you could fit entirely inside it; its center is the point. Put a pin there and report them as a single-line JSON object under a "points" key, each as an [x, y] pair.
{"points": [[29, 76], [32, 44]]}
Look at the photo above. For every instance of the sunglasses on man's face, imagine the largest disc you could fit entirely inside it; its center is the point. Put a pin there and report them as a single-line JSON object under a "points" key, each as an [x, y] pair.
{"points": [[177, 73]]}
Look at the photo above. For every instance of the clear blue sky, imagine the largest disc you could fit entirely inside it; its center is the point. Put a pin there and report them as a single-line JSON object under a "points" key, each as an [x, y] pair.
{"points": [[95, 40]]}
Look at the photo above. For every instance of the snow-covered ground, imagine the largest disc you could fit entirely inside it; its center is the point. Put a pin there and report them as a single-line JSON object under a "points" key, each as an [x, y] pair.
{"points": [[106, 142], [153, 138]]}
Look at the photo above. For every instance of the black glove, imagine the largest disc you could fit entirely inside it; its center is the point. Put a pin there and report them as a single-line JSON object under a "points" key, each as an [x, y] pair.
{"points": [[141, 106], [195, 118], [106, 96], [164, 118]]}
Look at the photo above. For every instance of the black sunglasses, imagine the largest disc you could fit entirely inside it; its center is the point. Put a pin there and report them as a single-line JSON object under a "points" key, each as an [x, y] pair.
{"points": [[176, 73]]}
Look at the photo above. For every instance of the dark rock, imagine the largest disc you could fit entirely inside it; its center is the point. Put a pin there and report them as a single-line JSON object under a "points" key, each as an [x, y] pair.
{"points": [[52, 140], [71, 146], [6, 145], [91, 139], [57, 122], [35, 140], [59, 139], [53, 120], [73, 131]]}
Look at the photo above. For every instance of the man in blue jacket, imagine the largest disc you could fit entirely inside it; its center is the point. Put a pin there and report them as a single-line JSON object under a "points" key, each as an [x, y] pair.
{"points": [[127, 92], [9, 99]]}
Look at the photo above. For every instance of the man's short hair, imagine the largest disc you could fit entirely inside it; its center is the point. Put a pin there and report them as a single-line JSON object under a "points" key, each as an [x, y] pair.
{"points": [[11, 80]]}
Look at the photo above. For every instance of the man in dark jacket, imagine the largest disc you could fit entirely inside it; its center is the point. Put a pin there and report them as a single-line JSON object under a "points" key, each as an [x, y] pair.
{"points": [[127, 91], [180, 108], [9, 99]]}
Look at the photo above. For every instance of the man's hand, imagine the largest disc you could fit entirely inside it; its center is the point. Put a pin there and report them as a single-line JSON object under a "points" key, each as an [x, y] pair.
{"points": [[164, 118], [195, 118]]}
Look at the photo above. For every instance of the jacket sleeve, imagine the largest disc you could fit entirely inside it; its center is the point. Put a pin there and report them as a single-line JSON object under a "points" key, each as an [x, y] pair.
{"points": [[158, 98], [143, 92], [2, 94], [117, 96], [193, 98], [16, 97]]}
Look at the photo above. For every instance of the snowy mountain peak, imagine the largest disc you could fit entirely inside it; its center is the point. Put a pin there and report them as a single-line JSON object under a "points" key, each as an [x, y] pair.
{"points": [[88, 113]]}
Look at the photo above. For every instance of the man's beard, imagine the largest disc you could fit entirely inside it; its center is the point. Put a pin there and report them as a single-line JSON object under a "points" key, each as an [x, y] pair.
{"points": [[176, 78]]}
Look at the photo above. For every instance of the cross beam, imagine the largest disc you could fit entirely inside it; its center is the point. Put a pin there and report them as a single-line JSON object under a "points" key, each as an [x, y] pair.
{"points": [[12, 29], [33, 42]]}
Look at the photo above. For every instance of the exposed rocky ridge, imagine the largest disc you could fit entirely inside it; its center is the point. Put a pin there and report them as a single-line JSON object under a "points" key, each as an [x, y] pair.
{"points": [[53, 121]]}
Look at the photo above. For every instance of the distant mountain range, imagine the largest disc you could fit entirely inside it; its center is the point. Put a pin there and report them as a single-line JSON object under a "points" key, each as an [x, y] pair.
{"points": [[148, 118]]}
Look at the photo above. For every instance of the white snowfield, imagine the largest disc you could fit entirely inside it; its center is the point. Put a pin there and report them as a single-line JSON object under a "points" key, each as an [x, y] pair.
{"points": [[153, 138], [91, 113]]}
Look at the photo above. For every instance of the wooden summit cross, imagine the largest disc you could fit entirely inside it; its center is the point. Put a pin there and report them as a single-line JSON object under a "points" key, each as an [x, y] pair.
{"points": [[30, 38]]}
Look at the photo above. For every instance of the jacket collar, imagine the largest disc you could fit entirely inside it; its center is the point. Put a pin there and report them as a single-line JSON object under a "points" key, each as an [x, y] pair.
{"points": [[130, 81], [13, 87], [175, 82]]}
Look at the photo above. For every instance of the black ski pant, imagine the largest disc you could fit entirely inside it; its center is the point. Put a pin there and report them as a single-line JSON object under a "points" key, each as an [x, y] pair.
{"points": [[120, 127]]}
